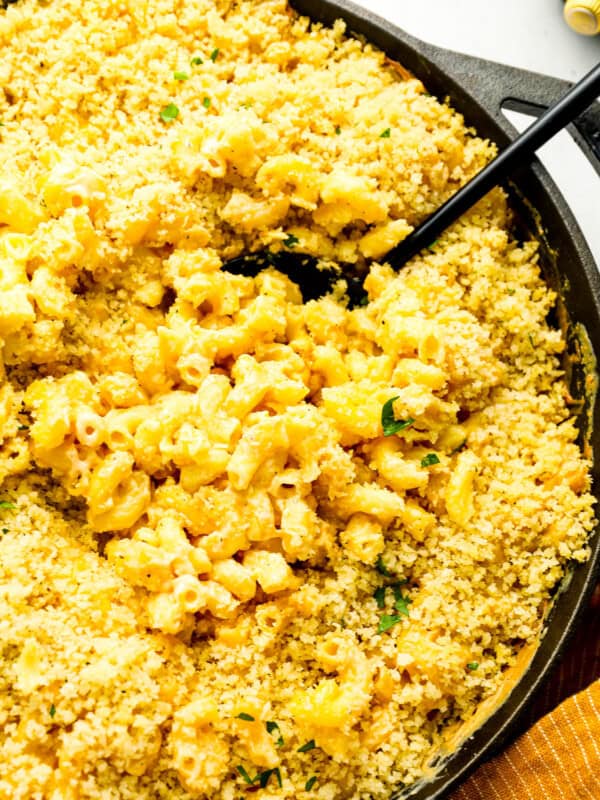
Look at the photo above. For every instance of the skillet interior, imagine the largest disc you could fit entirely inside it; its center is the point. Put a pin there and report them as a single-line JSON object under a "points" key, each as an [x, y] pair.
{"points": [[475, 88]]}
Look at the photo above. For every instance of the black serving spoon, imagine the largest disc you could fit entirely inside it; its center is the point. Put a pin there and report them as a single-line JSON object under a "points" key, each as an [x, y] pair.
{"points": [[303, 269]]}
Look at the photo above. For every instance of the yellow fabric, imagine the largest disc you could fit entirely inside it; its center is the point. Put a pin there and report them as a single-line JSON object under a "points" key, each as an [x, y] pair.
{"points": [[558, 758]]}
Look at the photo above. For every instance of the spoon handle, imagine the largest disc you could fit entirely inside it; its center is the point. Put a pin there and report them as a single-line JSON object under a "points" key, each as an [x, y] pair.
{"points": [[518, 152]]}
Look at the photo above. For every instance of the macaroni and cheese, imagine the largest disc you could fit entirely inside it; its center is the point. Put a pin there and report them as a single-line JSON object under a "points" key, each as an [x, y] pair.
{"points": [[247, 542]]}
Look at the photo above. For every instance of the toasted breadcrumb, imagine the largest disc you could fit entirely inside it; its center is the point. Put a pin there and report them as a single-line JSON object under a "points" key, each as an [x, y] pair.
{"points": [[217, 573]]}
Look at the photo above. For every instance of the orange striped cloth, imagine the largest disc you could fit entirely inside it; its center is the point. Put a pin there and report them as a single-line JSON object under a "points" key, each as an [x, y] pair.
{"points": [[559, 756]]}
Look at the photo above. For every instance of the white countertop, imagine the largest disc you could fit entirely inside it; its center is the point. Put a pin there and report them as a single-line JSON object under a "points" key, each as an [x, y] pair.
{"points": [[523, 33]]}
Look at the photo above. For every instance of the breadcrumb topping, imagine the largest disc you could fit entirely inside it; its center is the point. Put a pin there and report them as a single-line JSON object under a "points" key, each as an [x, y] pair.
{"points": [[249, 543]]}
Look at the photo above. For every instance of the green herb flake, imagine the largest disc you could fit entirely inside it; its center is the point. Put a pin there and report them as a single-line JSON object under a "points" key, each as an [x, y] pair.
{"points": [[386, 134], [364, 301], [23, 428], [473, 665], [273, 727], [310, 783], [169, 113], [379, 596], [263, 778], [389, 423], [52, 710], [181, 76], [381, 568], [6, 505], [196, 61], [244, 775], [387, 621], [531, 340], [1, 124], [433, 245], [338, 130], [401, 602], [310, 745], [246, 717], [511, 291], [290, 240], [214, 55], [206, 102], [5, 530], [429, 460]]}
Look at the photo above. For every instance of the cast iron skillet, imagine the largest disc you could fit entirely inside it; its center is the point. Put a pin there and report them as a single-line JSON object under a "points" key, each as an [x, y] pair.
{"points": [[478, 89]]}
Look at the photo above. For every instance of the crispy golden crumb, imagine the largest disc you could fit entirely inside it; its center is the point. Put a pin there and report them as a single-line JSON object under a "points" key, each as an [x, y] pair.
{"points": [[216, 569]]}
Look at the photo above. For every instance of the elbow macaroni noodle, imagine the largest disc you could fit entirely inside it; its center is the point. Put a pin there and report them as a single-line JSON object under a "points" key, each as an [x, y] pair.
{"points": [[219, 568]]}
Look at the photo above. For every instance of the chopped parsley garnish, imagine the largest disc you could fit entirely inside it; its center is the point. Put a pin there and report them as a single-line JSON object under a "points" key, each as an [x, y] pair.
{"points": [[379, 596], [531, 341], [181, 76], [381, 568], [473, 665], [338, 130], [386, 134], [263, 777], [389, 423], [1, 124], [364, 301], [244, 775], [429, 460], [310, 783], [273, 727], [246, 717], [23, 428], [206, 102], [433, 244], [196, 61], [387, 621], [169, 113], [5, 530], [310, 745], [52, 710], [401, 601], [290, 240], [7, 505], [214, 55], [511, 291]]}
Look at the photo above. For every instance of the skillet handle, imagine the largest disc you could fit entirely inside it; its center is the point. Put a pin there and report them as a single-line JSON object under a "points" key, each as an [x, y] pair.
{"points": [[502, 86]]}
